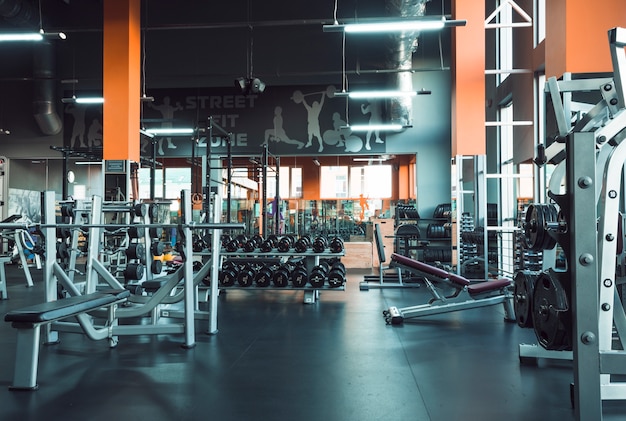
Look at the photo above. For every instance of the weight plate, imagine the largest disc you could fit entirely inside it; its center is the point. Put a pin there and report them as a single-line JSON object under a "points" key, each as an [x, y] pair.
{"points": [[552, 318]]}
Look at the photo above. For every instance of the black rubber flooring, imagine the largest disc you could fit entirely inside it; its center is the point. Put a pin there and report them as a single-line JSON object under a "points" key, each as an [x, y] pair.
{"points": [[276, 358]]}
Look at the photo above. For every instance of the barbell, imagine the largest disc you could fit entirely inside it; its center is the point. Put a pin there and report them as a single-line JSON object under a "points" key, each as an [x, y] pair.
{"points": [[298, 96]]}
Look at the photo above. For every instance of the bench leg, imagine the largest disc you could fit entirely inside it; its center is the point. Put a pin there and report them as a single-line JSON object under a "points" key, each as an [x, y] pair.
{"points": [[3, 281], [26, 359]]}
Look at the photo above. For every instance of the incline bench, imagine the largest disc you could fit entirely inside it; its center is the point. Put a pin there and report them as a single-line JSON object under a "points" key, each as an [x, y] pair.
{"points": [[465, 294], [28, 322]]}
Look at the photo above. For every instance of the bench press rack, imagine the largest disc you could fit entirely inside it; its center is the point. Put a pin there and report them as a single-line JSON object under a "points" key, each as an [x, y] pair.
{"points": [[465, 294], [589, 159], [98, 277]]}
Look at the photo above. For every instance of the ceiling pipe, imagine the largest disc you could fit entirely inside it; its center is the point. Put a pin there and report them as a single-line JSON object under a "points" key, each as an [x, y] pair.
{"points": [[44, 98], [24, 13], [400, 58]]}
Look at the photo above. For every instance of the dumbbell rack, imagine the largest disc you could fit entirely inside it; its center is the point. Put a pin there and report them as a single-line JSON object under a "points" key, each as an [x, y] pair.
{"points": [[311, 259]]}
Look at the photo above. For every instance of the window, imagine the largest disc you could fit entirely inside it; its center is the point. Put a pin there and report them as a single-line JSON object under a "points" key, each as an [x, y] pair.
{"points": [[372, 181], [505, 43], [290, 180], [166, 187], [334, 182]]}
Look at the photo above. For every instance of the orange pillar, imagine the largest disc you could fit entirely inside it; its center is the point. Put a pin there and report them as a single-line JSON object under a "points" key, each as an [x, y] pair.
{"points": [[576, 35], [121, 84], [468, 79]]}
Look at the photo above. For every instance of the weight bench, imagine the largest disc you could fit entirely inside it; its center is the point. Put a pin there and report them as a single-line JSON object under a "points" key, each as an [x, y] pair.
{"points": [[28, 322], [464, 294]]}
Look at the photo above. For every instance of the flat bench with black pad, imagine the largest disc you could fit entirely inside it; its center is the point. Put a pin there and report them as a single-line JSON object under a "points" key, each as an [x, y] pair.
{"points": [[465, 293], [28, 322]]}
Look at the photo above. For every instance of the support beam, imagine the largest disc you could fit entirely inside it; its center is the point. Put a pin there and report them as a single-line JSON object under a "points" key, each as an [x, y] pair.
{"points": [[468, 79], [121, 84]]}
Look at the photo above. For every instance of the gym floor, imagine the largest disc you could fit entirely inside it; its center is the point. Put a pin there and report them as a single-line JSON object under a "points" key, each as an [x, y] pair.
{"points": [[276, 358]]}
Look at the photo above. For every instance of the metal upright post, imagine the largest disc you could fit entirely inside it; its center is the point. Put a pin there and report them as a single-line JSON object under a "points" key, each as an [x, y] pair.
{"points": [[190, 291], [49, 232], [581, 180], [215, 267]]}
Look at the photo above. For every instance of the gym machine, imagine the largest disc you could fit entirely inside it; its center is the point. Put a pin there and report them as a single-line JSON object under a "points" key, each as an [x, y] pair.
{"points": [[181, 286], [576, 310]]}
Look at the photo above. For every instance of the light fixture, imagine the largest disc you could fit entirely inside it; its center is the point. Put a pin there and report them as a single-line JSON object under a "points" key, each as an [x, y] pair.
{"points": [[146, 134], [31, 36], [381, 158], [88, 163], [397, 25], [170, 131], [82, 100], [379, 127], [316, 162], [252, 85], [5, 131], [381, 94]]}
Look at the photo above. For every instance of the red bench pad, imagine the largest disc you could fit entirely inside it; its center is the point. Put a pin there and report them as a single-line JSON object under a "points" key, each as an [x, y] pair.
{"points": [[472, 288]]}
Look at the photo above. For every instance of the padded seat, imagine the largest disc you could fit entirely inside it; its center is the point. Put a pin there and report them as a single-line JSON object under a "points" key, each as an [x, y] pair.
{"points": [[472, 287]]}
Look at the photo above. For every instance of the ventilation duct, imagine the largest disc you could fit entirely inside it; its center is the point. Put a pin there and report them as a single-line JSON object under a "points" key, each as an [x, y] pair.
{"points": [[24, 13], [400, 58], [18, 12], [44, 74]]}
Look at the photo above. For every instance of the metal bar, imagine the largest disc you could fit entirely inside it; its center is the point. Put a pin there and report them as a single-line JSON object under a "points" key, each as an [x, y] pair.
{"points": [[582, 259], [189, 304]]}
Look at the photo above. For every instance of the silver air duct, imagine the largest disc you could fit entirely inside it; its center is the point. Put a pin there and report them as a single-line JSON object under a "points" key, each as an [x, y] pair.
{"points": [[24, 13], [400, 57], [44, 109]]}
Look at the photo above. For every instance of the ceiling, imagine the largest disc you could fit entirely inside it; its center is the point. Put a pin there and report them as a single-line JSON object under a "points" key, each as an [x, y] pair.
{"points": [[209, 43]]}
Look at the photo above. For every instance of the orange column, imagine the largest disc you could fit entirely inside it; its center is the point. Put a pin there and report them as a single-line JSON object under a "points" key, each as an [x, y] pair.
{"points": [[576, 35], [121, 84], [468, 79]]}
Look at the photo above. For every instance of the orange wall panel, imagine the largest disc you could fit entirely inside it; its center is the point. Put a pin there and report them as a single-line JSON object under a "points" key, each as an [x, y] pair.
{"points": [[121, 79], [576, 35], [468, 79]]}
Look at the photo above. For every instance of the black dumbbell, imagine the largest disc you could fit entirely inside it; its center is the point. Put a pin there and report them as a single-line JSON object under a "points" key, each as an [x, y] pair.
{"points": [[281, 276], [250, 245], [299, 276], [228, 274], [318, 275], [245, 276], [337, 275], [156, 233], [303, 244], [241, 240], [319, 244], [225, 239], [285, 243], [263, 277], [336, 245], [232, 245]]}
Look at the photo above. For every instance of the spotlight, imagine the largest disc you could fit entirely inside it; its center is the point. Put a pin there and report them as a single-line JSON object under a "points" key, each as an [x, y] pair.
{"points": [[241, 84], [251, 85], [256, 86]]}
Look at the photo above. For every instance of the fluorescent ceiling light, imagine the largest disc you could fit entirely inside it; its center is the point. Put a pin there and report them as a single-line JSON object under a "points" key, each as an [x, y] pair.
{"points": [[83, 100], [170, 131], [409, 25], [88, 163], [383, 127], [399, 25], [32, 36], [145, 133]]}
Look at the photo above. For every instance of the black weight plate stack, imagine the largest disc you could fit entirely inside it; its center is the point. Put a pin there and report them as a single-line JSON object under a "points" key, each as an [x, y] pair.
{"points": [[552, 316]]}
